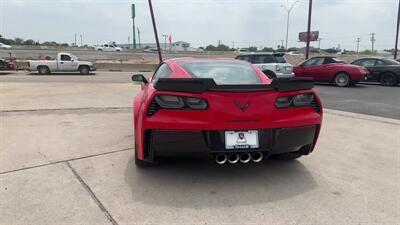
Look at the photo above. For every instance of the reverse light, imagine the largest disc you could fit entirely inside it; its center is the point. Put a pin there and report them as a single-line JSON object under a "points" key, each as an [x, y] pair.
{"points": [[303, 99], [299, 100], [169, 101], [181, 102], [283, 102]]}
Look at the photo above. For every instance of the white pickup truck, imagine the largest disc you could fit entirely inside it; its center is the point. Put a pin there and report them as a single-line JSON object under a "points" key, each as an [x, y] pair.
{"points": [[64, 62]]}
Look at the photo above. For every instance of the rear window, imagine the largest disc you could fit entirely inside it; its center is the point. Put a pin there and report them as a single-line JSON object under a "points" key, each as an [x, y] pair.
{"points": [[222, 72]]}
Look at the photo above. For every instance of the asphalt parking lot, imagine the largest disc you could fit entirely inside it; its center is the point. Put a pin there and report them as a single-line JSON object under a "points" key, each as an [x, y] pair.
{"points": [[66, 158]]}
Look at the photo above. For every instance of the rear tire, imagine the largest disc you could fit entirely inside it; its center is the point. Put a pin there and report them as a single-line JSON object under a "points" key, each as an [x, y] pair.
{"points": [[84, 70], [388, 79], [286, 156], [342, 80], [43, 70]]}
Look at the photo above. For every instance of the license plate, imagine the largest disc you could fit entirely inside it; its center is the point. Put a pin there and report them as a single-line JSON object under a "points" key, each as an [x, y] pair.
{"points": [[241, 139]]}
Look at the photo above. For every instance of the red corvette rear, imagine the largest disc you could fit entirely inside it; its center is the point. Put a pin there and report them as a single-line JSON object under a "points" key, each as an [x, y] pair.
{"points": [[227, 110]]}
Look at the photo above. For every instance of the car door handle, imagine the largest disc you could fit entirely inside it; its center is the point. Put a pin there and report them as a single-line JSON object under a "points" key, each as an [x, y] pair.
{"points": [[61, 62]]}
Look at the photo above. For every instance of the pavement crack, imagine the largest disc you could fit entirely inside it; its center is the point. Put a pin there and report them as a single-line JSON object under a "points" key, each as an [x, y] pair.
{"points": [[92, 195], [68, 160]]}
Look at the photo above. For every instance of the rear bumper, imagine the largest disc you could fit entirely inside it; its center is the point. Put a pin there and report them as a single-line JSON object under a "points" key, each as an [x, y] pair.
{"points": [[204, 143]]}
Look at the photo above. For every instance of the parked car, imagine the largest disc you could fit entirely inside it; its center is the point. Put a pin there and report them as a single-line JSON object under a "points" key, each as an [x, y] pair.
{"points": [[227, 110], [2, 45], [329, 69], [272, 64], [385, 71], [7, 65], [108, 48], [294, 53], [65, 62]]}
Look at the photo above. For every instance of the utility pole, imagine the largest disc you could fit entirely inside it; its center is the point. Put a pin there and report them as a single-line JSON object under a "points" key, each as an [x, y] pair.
{"points": [[358, 44], [233, 44], [75, 39], [138, 34], [165, 41], [129, 39], [133, 27], [282, 43], [397, 33], [308, 29], [219, 43], [373, 41], [81, 41], [155, 30], [319, 43], [288, 10]]}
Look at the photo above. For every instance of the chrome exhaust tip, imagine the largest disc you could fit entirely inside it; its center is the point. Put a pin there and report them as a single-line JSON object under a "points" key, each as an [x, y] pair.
{"points": [[233, 158], [257, 157], [221, 158], [245, 158]]}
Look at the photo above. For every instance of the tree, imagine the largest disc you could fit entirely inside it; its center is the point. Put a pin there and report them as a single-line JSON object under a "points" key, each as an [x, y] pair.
{"points": [[252, 49], [267, 49], [19, 41], [29, 42]]}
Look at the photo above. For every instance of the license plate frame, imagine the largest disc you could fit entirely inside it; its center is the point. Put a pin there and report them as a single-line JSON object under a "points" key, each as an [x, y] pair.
{"points": [[247, 139]]}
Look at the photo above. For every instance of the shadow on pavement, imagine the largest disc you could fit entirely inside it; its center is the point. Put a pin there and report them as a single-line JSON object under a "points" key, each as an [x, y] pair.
{"points": [[198, 184]]}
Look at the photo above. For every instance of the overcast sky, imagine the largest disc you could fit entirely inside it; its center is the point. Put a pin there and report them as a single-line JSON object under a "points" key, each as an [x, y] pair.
{"points": [[201, 22]]}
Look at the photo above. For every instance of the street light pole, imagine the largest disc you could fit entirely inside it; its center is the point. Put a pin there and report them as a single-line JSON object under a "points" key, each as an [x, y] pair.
{"points": [[309, 29], [155, 31], [288, 10], [397, 33]]}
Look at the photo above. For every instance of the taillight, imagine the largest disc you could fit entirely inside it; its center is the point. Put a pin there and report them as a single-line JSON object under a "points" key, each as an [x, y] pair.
{"points": [[181, 102], [300, 100]]}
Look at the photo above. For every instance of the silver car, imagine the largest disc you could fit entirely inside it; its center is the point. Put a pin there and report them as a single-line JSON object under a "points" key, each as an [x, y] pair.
{"points": [[272, 64]]}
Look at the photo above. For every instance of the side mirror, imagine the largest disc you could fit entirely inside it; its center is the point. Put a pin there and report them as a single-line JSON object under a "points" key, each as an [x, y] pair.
{"points": [[139, 78]]}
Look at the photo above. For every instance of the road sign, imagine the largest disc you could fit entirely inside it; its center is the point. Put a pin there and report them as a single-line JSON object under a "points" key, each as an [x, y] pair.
{"points": [[314, 35]]}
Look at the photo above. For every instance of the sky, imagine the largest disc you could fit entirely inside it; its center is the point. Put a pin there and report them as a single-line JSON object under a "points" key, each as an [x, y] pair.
{"points": [[238, 23]]}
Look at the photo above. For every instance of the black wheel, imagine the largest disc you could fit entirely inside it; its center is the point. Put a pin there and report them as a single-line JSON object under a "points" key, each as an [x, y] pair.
{"points": [[84, 70], [43, 70], [286, 156], [141, 163], [342, 80], [388, 79]]}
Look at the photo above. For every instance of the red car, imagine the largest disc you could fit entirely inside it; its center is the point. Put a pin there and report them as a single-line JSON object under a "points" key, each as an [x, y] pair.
{"points": [[7, 65], [227, 110], [332, 70]]}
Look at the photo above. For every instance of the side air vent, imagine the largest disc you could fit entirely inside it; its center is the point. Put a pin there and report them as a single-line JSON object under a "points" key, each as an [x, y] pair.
{"points": [[314, 104], [148, 144], [153, 108]]}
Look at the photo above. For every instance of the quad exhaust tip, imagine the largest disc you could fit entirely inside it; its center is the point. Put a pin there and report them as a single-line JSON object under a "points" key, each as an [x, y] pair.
{"points": [[221, 158], [233, 158], [257, 157], [245, 158]]}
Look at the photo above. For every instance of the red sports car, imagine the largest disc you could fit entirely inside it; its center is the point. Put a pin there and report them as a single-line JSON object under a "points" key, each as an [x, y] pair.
{"points": [[332, 70], [224, 109]]}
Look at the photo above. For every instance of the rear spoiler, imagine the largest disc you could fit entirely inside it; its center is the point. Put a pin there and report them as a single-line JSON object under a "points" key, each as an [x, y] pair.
{"points": [[200, 85]]}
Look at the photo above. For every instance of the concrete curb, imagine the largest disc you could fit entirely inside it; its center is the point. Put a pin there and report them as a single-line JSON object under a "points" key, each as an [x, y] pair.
{"points": [[363, 117]]}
